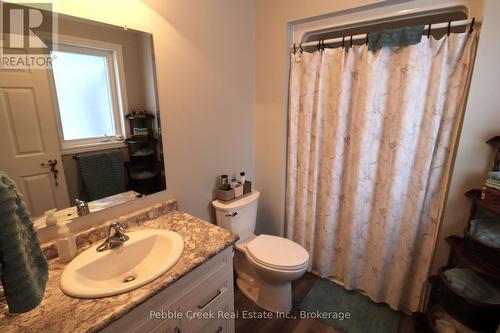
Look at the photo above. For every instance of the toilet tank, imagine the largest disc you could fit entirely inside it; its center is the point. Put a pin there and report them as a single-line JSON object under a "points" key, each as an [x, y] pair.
{"points": [[239, 215]]}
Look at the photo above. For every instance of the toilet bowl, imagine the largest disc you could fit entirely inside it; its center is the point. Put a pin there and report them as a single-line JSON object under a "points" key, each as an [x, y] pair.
{"points": [[265, 265]]}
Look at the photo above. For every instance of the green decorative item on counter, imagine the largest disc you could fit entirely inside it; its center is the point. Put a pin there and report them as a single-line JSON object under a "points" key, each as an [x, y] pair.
{"points": [[224, 183]]}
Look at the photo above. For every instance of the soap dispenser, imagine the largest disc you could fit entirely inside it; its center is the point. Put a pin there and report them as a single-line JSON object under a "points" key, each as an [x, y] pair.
{"points": [[65, 243], [50, 218]]}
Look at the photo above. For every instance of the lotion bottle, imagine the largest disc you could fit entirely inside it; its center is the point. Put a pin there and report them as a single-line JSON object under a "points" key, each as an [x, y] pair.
{"points": [[50, 218], [65, 243]]}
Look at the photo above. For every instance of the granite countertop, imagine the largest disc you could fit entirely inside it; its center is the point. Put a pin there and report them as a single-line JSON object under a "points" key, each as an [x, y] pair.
{"points": [[61, 313]]}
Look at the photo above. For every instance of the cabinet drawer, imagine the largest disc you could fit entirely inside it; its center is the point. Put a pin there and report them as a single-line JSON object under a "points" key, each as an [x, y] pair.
{"points": [[168, 326], [204, 302], [175, 296], [219, 324], [215, 326]]}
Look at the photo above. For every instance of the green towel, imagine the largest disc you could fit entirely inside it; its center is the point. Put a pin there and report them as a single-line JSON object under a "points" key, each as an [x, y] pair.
{"points": [[102, 174], [473, 285], [395, 37], [486, 230], [23, 267], [365, 316]]}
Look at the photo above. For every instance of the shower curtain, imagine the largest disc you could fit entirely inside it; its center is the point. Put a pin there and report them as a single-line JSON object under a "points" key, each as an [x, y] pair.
{"points": [[370, 143]]}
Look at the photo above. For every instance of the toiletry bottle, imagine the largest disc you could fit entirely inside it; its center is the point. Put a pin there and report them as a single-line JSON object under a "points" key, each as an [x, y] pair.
{"points": [[242, 178], [234, 183], [224, 183], [66, 244], [50, 218]]}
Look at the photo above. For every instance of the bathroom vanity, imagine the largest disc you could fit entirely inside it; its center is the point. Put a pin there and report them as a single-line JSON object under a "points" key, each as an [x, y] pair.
{"points": [[202, 301], [195, 295]]}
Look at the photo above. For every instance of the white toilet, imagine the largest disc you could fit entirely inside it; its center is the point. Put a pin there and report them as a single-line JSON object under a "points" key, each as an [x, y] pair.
{"points": [[265, 265]]}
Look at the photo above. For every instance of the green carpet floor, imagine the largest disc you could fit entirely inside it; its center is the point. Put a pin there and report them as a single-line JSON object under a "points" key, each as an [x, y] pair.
{"points": [[330, 303]]}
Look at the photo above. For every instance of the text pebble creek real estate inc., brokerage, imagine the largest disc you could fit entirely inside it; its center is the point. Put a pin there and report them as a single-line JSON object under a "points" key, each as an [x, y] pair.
{"points": [[248, 315]]}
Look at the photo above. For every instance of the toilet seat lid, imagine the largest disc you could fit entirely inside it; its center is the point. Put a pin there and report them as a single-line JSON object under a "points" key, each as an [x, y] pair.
{"points": [[277, 251]]}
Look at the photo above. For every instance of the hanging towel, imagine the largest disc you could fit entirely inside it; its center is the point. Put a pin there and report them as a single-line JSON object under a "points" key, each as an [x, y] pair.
{"points": [[102, 174], [23, 267], [486, 230], [473, 285], [395, 37]]}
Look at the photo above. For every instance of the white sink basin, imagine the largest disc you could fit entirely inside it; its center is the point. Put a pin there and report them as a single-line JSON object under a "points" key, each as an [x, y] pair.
{"points": [[144, 257]]}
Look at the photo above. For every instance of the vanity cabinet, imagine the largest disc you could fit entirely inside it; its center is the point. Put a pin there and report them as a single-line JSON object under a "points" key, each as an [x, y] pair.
{"points": [[201, 301]]}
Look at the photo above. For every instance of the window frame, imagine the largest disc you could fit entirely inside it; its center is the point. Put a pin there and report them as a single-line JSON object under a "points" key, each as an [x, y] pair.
{"points": [[117, 86]]}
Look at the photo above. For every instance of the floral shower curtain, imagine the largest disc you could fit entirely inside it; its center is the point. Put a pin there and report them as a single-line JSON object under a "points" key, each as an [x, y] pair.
{"points": [[370, 143]]}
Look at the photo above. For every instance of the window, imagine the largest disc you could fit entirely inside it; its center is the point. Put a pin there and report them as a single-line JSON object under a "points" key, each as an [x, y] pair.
{"points": [[88, 95]]}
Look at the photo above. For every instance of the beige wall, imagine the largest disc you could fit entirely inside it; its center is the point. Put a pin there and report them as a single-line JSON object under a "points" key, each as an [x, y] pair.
{"points": [[146, 58], [272, 20], [481, 122], [205, 64]]}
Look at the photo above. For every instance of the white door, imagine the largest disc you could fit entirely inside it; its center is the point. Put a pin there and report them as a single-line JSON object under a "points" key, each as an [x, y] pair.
{"points": [[29, 139]]}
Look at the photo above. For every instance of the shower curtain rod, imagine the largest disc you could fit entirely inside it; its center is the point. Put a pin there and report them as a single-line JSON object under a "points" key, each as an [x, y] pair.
{"points": [[349, 38]]}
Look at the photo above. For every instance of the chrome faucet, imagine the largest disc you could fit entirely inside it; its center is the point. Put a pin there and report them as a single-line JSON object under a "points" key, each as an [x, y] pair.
{"points": [[82, 208], [116, 237]]}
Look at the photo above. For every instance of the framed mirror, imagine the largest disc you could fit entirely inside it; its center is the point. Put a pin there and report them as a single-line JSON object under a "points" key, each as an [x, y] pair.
{"points": [[84, 133]]}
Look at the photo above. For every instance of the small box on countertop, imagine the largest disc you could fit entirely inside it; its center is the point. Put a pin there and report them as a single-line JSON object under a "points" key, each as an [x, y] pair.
{"points": [[225, 195], [238, 191], [234, 193], [247, 187]]}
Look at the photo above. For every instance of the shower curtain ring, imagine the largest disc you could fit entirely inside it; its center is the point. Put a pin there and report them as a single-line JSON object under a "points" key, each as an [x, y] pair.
{"points": [[351, 41], [294, 48], [367, 40], [343, 41], [429, 31], [449, 28], [300, 48]]}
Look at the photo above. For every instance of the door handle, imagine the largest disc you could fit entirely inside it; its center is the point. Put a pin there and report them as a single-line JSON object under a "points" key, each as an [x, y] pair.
{"points": [[49, 163], [52, 165]]}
